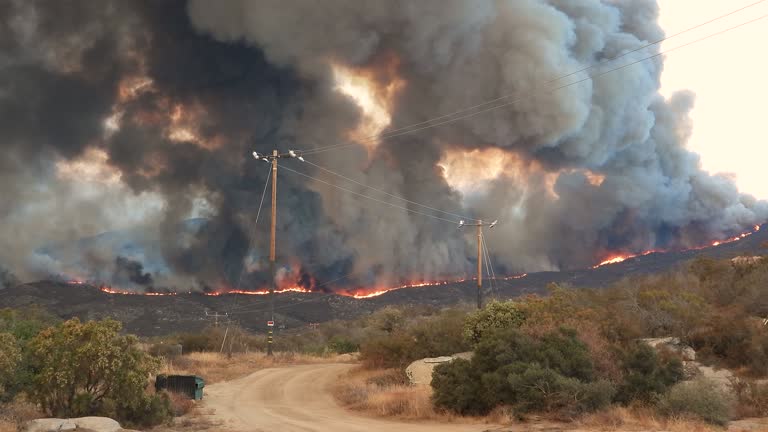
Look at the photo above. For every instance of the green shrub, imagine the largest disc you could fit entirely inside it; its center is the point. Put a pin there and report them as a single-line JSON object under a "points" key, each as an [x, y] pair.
{"points": [[342, 346], [647, 376], [700, 398], [551, 373], [457, 387], [534, 388], [494, 316], [78, 367], [560, 351]]}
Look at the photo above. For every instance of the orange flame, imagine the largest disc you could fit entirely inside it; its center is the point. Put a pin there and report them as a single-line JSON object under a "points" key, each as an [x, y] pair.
{"points": [[259, 292], [373, 90], [363, 293], [615, 259], [111, 290]]}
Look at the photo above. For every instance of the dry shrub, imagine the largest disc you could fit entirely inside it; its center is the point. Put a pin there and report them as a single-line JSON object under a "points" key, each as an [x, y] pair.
{"points": [[751, 398], [411, 402], [383, 393], [640, 418], [15, 413], [389, 377], [216, 367], [587, 331], [180, 404]]}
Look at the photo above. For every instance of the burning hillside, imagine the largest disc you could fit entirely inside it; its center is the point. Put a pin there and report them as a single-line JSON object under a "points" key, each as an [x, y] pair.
{"points": [[298, 282]]}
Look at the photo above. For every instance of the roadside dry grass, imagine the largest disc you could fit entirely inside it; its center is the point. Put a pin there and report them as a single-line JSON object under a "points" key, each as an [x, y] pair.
{"points": [[14, 414], [384, 393], [387, 393], [217, 367], [618, 418]]}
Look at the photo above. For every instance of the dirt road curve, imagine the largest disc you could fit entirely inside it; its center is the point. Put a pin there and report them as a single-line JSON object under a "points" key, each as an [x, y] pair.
{"points": [[296, 398]]}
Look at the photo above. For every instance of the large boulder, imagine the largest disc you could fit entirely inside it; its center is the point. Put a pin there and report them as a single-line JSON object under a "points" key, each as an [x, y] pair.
{"points": [[48, 425], [95, 424], [420, 371]]}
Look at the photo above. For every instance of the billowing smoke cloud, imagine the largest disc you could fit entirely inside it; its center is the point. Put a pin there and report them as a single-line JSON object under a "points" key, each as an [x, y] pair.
{"points": [[652, 192], [131, 271], [143, 114]]}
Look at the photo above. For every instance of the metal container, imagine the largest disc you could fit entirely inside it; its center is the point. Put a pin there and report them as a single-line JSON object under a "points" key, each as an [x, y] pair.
{"points": [[188, 385]]}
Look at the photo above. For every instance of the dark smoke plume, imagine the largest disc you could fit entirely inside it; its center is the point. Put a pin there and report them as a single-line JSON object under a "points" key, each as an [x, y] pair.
{"points": [[143, 114], [131, 272]]}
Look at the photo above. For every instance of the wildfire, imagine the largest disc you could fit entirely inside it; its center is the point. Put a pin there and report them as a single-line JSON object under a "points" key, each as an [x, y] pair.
{"points": [[366, 293], [615, 259], [373, 90], [260, 292], [469, 171], [110, 290]]}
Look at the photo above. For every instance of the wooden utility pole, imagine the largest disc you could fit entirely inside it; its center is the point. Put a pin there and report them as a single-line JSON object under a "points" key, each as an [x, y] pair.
{"points": [[272, 252], [479, 224], [273, 225], [480, 264]]}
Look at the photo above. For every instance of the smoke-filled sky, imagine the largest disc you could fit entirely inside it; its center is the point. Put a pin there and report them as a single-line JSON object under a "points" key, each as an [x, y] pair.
{"points": [[729, 85], [141, 116]]}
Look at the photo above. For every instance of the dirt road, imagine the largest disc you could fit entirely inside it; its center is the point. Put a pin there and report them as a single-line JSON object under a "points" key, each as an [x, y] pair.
{"points": [[296, 398]]}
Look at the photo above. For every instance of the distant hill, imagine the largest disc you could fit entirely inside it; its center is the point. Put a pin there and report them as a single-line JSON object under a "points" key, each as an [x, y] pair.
{"points": [[156, 315]]}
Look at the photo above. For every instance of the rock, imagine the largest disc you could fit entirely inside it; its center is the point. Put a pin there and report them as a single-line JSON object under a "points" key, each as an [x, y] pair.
{"points": [[349, 357], [48, 425], [95, 424], [673, 344], [420, 371], [722, 377]]}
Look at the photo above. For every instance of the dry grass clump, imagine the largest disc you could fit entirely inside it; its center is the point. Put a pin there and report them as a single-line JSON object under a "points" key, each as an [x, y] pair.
{"points": [[14, 414], [386, 393], [196, 420], [617, 418], [216, 367]]}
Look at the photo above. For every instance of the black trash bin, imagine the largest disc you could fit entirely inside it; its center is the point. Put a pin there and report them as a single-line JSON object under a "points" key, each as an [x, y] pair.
{"points": [[188, 385]]}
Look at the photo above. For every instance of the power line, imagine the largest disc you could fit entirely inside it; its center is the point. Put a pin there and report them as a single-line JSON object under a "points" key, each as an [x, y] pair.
{"points": [[252, 234], [371, 198], [494, 281], [386, 193], [429, 124]]}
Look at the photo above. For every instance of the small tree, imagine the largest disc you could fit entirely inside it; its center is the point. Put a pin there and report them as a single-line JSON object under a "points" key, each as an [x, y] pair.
{"points": [[10, 356], [88, 368], [494, 316]]}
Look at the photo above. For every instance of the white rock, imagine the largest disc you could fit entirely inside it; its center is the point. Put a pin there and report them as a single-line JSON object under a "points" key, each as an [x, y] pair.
{"points": [[97, 424], [420, 371]]}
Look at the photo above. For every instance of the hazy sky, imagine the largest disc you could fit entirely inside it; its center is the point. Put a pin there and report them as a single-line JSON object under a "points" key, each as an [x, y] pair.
{"points": [[728, 74]]}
